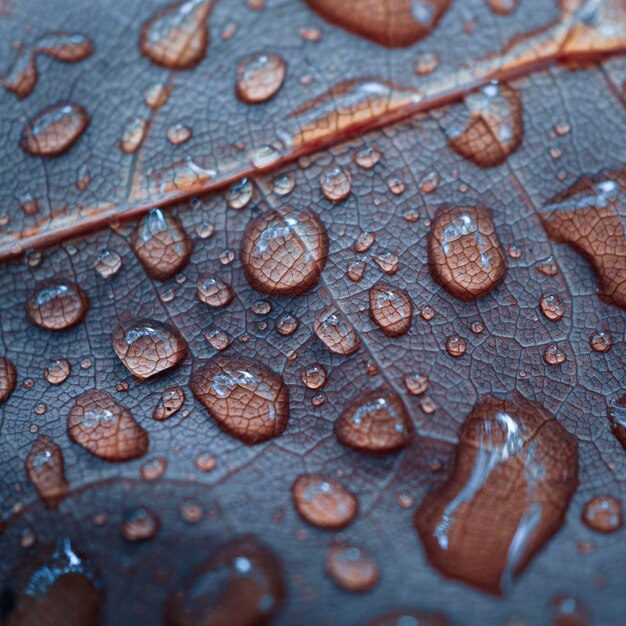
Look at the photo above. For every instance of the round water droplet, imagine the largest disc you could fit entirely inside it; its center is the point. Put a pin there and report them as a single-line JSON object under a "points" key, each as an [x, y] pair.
{"points": [[108, 264], [218, 339], [178, 133], [336, 332], [455, 346], [105, 428], [161, 244], [552, 307], [314, 376], [396, 185], [366, 157], [391, 309], [169, 403], [57, 371], [351, 568], [336, 183], [246, 400], [8, 379], [548, 267], [284, 253], [148, 347], [355, 270], [603, 514], [601, 341], [44, 468], [153, 469], [139, 524], [427, 62], [416, 384], [29, 205], [376, 422], [214, 292], [204, 230], [364, 242], [283, 185], [554, 355], [259, 77], [205, 462], [287, 324], [323, 502], [388, 262], [57, 305], [133, 134], [55, 129], [430, 182], [157, 95], [240, 194]]}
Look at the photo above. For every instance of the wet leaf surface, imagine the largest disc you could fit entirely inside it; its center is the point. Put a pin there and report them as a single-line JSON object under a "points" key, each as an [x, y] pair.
{"points": [[363, 167]]}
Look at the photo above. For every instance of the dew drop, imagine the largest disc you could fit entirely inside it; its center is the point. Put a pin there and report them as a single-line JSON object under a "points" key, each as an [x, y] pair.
{"points": [[455, 346], [355, 270], [218, 339], [336, 183], [214, 292], [240, 194], [548, 267], [227, 257], [246, 400], [502, 7], [391, 309], [427, 62], [153, 469], [161, 244], [57, 305], [157, 95], [366, 157], [205, 462], [284, 253], [416, 384], [29, 205], [147, 347], [287, 324], [601, 341], [603, 514], [552, 307], [178, 133], [105, 428], [314, 376], [364, 242], [8, 379], [140, 524], [205, 230], [512, 456], [259, 77], [44, 468], [55, 129], [283, 185], [108, 264], [169, 403], [336, 332], [133, 134], [554, 355], [429, 183], [396, 185], [388, 262], [34, 258], [40, 408], [57, 371], [261, 307], [477, 327]]}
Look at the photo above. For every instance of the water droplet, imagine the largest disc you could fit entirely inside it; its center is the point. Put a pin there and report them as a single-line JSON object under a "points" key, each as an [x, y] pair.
{"points": [[259, 77], [554, 355], [351, 568], [336, 183], [411, 618], [246, 400], [205, 462], [427, 62], [178, 133], [55, 129], [552, 307], [205, 230], [191, 512], [8, 379], [284, 253], [177, 36], [603, 514], [601, 341], [57, 305], [477, 327], [311, 34], [44, 467], [514, 463], [455, 346], [363, 242], [161, 244], [396, 185], [388, 262], [108, 264], [492, 128], [240, 194], [287, 324], [169, 403], [265, 156], [569, 612], [139, 524], [29, 205], [133, 134], [57, 371], [240, 584], [153, 469], [391, 309], [366, 157], [34, 258], [314, 376], [355, 270], [227, 257], [261, 307], [283, 185], [323, 502], [430, 182], [464, 252], [218, 339], [157, 95], [395, 23], [502, 7], [336, 332], [147, 347], [548, 267], [214, 292], [83, 178], [416, 384], [376, 422], [105, 428], [427, 405]]}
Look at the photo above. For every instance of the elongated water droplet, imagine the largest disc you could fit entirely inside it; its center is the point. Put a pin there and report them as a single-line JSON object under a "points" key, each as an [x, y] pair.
{"points": [[8, 379], [246, 400], [22, 75], [388, 262], [336, 332], [105, 428], [464, 252], [351, 568], [161, 244], [603, 514], [147, 347], [429, 183], [177, 36], [44, 468], [259, 77], [55, 129], [57, 306], [169, 403], [323, 502], [108, 264], [391, 309], [284, 253], [139, 524], [514, 463], [336, 183], [133, 134], [157, 95], [376, 422]]}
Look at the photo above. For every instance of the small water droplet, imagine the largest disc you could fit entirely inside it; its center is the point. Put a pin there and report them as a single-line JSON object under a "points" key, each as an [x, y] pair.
{"points": [[601, 341], [552, 307], [259, 77], [156, 95], [416, 384], [240, 194], [139, 524], [178, 133], [205, 230], [477, 327], [336, 183], [427, 62], [355, 270], [44, 467], [214, 292], [391, 309], [287, 324], [218, 339], [603, 514], [283, 185], [133, 134], [388, 262], [364, 241], [455, 346], [548, 267], [153, 469], [57, 371], [429, 183], [336, 332], [108, 264], [396, 185], [502, 7], [205, 462], [29, 205], [554, 355], [314, 376], [351, 568], [170, 402], [366, 157], [57, 305]]}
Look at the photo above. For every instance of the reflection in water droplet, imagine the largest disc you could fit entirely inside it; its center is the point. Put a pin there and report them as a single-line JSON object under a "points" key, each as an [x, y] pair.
{"points": [[139, 524], [218, 339], [259, 77], [514, 463], [133, 134], [396, 185], [247, 400], [44, 468], [391, 309], [336, 183], [601, 341], [355, 270], [429, 182], [314, 376], [108, 264], [603, 514], [336, 332], [169, 403], [57, 306], [364, 241], [8, 379], [57, 371]]}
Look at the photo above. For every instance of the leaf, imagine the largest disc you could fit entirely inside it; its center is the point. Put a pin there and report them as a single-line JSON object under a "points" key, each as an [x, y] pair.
{"points": [[364, 144]]}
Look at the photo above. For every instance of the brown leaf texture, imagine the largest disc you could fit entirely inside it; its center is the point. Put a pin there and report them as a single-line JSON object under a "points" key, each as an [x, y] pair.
{"points": [[311, 313]]}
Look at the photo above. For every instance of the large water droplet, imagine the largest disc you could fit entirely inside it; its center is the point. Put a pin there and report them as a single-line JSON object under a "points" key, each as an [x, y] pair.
{"points": [[247, 400], [323, 502], [376, 422], [241, 584], [169, 403], [147, 347], [57, 306], [393, 23], [55, 129], [44, 468], [161, 244], [105, 428], [8, 379], [284, 253], [336, 183], [603, 514], [139, 524], [492, 125], [351, 568], [336, 332], [177, 36], [515, 472], [259, 77], [464, 252], [391, 309]]}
